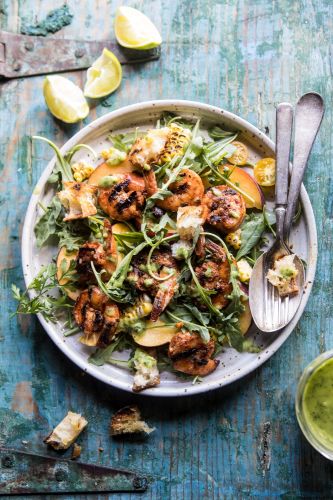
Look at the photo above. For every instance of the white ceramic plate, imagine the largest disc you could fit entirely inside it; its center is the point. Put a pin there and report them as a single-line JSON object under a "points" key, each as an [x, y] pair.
{"points": [[233, 365]]}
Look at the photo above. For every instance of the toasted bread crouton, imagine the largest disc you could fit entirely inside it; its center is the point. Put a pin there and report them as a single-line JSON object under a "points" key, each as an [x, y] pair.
{"points": [[189, 220], [146, 370], [66, 432], [79, 199], [127, 420]]}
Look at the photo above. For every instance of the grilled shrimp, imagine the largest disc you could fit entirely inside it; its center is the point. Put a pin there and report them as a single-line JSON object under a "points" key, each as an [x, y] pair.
{"points": [[187, 190], [191, 355], [214, 274], [155, 148], [97, 315], [125, 199], [102, 256], [226, 208], [162, 264]]}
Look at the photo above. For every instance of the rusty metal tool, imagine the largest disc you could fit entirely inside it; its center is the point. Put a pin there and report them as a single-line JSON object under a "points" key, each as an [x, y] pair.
{"points": [[24, 55], [26, 473]]}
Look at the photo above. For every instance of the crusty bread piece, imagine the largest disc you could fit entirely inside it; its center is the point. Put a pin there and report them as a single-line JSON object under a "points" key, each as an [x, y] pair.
{"points": [[66, 431], [127, 420]]}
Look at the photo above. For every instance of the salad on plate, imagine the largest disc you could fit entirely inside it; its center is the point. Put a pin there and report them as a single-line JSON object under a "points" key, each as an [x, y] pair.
{"points": [[156, 237]]}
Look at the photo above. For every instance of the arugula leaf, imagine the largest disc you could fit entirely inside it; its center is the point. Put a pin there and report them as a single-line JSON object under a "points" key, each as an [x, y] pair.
{"points": [[218, 133], [124, 142], [118, 277], [251, 232], [102, 356], [237, 341], [63, 165], [114, 288], [214, 152], [235, 306], [41, 301], [203, 293], [183, 315], [47, 225], [270, 219]]}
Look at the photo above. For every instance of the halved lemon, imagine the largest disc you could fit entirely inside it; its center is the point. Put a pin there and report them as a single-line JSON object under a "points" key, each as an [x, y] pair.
{"points": [[64, 99], [104, 76], [264, 172], [134, 30]]}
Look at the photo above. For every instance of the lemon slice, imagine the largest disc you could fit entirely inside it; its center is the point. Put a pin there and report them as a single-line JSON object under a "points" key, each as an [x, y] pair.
{"points": [[134, 30], [104, 76], [64, 99]]}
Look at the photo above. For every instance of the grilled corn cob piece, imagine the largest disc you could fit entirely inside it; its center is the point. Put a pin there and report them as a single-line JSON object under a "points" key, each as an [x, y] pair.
{"points": [[159, 146], [138, 311], [81, 171], [177, 140]]}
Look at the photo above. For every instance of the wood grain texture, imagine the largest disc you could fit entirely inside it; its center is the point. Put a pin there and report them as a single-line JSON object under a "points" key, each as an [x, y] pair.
{"points": [[241, 442]]}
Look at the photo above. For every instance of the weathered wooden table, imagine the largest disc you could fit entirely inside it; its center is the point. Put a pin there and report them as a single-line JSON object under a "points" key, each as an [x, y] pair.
{"points": [[241, 442]]}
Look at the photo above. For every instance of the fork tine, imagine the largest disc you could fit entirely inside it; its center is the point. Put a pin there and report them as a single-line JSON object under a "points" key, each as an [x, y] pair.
{"points": [[279, 309], [265, 308], [286, 308], [272, 300]]}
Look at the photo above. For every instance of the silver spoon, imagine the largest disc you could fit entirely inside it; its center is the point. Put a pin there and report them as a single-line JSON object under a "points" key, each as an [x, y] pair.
{"points": [[270, 311]]}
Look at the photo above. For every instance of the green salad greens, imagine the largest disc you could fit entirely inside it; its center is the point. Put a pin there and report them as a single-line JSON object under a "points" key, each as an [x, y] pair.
{"points": [[156, 242]]}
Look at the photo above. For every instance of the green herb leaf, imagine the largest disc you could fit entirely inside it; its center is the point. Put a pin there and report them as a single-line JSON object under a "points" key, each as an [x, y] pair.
{"points": [[47, 226], [252, 230], [41, 301]]}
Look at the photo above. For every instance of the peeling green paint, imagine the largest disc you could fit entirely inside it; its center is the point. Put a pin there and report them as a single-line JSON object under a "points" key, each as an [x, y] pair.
{"points": [[55, 20]]}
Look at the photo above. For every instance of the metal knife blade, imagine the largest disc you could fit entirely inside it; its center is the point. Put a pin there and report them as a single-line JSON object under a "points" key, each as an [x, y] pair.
{"points": [[27, 473], [24, 55]]}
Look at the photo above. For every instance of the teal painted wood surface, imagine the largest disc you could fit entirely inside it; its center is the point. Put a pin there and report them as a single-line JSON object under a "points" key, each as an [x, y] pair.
{"points": [[242, 442]]}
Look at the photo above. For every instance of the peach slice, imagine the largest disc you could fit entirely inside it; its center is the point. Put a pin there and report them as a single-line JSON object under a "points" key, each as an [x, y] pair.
{"points": [[245, 318], [156, 333], [243, 182], [104, 169], [65, 255]]}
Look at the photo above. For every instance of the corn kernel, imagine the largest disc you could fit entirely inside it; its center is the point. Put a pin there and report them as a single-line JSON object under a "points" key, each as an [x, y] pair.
{"points": [[234, 239], [81, 171], [244, 270]]}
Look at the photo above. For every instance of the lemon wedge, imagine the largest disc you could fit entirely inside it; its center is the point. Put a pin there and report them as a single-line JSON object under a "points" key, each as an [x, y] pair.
{"points": [[64, 99], [104, 76], [134, 30]]}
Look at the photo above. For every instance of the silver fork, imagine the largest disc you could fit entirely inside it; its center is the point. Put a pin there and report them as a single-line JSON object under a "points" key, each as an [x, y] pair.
{"points": [[270, 311], [277, 307]]}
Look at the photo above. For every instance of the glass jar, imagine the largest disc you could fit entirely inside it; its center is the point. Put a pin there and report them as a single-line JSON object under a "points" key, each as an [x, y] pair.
{"points": [[311, 430]]}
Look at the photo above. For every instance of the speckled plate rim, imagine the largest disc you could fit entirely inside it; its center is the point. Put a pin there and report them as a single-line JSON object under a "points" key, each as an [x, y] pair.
{"points": [[27, 256]]}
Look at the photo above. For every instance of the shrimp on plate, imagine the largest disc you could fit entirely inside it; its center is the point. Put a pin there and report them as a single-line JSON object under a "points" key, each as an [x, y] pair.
{"points": [[163, 264], [226, 208], [125, 199], [214, 274], [97, 315], [102, 256], [191, 355]]}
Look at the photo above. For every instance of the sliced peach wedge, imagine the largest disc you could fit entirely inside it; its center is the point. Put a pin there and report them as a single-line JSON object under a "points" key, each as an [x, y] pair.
{"points": [[245, 318], [64, 259], [156, 333], [104, 169], [245, 184]]}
